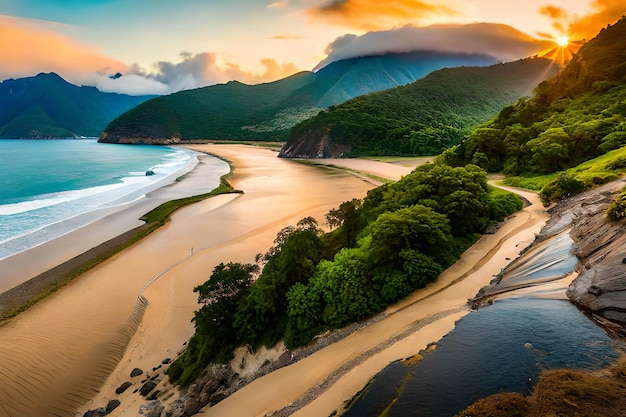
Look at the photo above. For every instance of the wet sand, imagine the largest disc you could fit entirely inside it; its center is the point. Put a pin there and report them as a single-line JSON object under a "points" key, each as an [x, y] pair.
{"points": [[56, 356]]}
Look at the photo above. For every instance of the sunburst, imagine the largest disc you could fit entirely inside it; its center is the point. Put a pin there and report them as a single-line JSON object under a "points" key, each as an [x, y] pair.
{"points": [[562, 41], [563, 49]]}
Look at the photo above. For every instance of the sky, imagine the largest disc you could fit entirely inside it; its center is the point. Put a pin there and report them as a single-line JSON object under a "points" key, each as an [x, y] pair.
{"points": [[163, 46]]}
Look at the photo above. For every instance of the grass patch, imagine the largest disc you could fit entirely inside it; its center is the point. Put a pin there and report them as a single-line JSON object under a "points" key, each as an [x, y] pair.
{"points": [[530, 183], [601, 170], [561, 392]]}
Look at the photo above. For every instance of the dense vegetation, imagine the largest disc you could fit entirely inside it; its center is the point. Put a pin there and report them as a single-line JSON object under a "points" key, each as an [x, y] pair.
{"points": [[572, 118], [423, 118], [268, 111], [47, 106], [399, 238]]}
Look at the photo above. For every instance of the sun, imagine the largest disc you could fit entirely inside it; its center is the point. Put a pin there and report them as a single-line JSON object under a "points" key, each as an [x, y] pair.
{"points": [[562, 41]]}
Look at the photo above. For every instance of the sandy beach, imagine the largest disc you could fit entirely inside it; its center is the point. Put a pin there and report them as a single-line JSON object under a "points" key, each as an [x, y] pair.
{"points": [[74, 349], [58, 354]]}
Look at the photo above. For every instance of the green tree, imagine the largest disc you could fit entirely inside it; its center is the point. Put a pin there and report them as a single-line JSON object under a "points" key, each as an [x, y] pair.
{"points": [[215, 338], [417, 228], [261, 316]]}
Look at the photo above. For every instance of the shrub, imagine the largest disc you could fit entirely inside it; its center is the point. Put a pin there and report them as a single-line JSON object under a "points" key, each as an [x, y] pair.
{"points": [[617, 210]]}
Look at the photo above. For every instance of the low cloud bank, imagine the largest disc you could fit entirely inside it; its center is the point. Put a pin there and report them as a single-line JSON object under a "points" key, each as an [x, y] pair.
{"points": [[501, 41]]}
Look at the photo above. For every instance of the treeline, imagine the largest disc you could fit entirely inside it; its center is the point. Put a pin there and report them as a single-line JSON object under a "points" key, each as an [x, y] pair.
{"points": [[572, 118], [427, 116], [400, 237]]}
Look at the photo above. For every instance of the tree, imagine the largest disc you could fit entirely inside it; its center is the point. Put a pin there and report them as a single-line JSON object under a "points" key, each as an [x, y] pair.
{"points": [[417, 228], [215, 338], [261, 316]]}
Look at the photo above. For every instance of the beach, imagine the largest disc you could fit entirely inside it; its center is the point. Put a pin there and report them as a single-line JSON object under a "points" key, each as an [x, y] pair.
{"points": [[74, 349], [57, 355]]}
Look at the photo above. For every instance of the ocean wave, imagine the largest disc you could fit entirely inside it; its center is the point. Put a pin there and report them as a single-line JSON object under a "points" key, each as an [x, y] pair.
{"points": [[30, 223]]}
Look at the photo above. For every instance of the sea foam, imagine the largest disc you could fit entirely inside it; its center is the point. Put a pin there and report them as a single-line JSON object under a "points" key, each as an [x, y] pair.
{"points": [[40, 218]]}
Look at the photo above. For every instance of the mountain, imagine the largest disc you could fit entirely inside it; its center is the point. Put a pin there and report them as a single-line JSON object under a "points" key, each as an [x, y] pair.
{"points": [[47, 106], [571, 118], [268, 111], [422, 118]]}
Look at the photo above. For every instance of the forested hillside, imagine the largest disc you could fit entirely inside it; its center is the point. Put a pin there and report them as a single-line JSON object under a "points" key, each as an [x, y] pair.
{"points": [[268, 111], [423, 118], [399, 238], [572, 118], [47, 106]]}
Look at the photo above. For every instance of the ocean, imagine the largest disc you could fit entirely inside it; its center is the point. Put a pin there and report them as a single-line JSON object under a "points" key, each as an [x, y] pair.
{"points": [[45, 183]]}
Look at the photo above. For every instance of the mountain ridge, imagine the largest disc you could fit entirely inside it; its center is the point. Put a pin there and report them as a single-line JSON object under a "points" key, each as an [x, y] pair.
{"points": [[268, 111], [47, 106], [422, 118]]}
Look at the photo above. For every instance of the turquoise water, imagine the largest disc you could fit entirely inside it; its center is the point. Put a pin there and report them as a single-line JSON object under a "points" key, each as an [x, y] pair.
{"points": [[46, 182]]}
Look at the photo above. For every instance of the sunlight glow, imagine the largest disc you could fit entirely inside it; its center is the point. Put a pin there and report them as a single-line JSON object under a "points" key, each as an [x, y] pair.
{"points": [[562, 41]]}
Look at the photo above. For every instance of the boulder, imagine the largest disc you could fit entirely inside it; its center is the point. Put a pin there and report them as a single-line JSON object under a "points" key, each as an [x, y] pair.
{"points": [[147, 387], [601, 246], [123, 387]]}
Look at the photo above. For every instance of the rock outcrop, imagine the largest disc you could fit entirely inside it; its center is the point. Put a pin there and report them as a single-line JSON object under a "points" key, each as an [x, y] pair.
{"points": [[314, 144], [600, 287]]}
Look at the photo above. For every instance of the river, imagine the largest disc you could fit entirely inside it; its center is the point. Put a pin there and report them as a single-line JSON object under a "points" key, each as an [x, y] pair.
{"points": [[530, 327]]}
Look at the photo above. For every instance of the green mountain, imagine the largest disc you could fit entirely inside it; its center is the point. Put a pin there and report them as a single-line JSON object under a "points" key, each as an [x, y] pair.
{"points": [[423, 118], [268, 111], [576, 116], [47, 106]]}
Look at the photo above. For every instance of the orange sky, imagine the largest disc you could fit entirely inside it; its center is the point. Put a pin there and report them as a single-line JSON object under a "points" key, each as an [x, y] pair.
{"points": [[162, 46]]}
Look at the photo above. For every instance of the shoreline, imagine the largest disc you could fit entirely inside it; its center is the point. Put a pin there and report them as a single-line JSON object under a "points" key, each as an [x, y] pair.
{"points": [[123, 227], [323, 381], [60, 353], [319, 383]]}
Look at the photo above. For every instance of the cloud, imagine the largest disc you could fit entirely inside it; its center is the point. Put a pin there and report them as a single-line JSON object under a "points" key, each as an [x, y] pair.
{"points": [[604, 12], [277, 5], [501, 41], [370, 15], [558, 16], [206, 68], [27, 49], [587, 26]]}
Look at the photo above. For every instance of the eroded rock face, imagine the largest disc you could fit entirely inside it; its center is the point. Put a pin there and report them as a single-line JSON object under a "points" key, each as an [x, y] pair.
{"points": [[601, 247], [216, 382], [313, 144]]}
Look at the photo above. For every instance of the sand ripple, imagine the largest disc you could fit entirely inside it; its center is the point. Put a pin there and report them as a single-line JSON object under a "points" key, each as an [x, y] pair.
{"points": [[33, 358]]}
